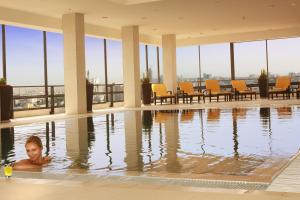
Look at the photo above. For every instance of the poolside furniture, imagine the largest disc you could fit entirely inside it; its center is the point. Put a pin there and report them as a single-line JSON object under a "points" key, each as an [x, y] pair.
{"points": [[160, 92], [188, 90], [298, 93], [282, 86], [240, 89], [213, 89]]}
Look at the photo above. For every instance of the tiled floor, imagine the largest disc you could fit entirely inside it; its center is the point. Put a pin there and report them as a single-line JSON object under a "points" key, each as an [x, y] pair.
{"points": [[289, 179]]}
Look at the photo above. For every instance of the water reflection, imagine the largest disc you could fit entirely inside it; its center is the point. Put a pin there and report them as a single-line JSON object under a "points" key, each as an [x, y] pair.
{"points": [[76, 132], [242, 142], [6, 144], [133, 141], [213, 114]]}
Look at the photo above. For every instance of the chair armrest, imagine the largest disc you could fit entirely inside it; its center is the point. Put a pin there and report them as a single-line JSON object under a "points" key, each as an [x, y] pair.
{"points": [[207, 91]]}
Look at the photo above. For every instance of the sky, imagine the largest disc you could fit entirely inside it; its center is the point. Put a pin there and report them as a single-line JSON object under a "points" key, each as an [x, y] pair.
{"points": [[25, 58]]}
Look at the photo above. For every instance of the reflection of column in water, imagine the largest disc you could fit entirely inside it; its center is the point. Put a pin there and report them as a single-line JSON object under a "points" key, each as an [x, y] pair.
{"points": [[108, 150], [147, 121], [112, 116], [161, 145], [202, 131], [133, 140], [265, 117], [53, 131], [235, 134], [91, 131], [47, 139], [6, 143], [172, 142], [77, 141]]}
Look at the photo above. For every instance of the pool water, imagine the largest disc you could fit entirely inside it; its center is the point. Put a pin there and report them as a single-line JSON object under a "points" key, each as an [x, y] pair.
{"points": [[248, 144]]}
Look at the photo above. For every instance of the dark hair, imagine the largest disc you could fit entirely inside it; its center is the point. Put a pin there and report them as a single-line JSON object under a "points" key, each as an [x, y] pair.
{"points": [[34, 139]]}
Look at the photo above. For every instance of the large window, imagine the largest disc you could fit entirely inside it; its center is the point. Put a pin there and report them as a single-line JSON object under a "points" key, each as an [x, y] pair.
{"points": [[55, 58], [94, 52], [143, 60], [187, 63], [25, 59], [215, 62], [250, 59], [161, 67], [1, 66], [152, 63], [114, 61], [284, 57]]}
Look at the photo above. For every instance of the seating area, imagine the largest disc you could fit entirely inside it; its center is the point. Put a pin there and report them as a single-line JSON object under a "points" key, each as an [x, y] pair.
{"points": [[212, 90]]}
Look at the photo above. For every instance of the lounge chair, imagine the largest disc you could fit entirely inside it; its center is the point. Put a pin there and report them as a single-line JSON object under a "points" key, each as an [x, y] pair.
{"points": [[160, 92], [188, 90], [241, 90], [282, 86], [213, 89]]}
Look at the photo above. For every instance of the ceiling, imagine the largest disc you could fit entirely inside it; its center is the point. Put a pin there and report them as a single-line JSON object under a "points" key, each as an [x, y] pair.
{"points": [[191, 20]]}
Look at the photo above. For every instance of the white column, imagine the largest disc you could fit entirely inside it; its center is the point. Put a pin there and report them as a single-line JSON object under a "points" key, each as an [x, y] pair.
{"points": [[133, 140], [74, 61], [131, 66], [169, 61]]}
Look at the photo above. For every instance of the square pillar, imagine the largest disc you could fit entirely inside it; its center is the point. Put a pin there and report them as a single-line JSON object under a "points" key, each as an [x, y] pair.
{"points": [[74, 63], [131, 66], [169, 61]]}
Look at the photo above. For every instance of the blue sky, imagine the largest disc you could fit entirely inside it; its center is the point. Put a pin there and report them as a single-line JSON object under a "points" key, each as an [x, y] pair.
{"points": [[25, 58]]}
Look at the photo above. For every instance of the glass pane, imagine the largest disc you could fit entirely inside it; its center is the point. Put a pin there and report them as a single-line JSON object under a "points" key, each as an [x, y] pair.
{"points": [[284, 58], [1, 63], [187, 63], [142, 60], [55, 58], [215, 62], [114, 61], [250, 59], [161, 67], [152, 63], [24, 56], [94, 53]]}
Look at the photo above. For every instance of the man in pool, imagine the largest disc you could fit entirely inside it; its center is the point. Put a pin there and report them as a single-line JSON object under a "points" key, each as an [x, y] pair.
{"points": [[35, 159]]}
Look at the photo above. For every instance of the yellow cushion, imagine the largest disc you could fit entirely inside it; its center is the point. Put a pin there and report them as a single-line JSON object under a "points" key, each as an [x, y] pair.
{"points": [[212, 85], [186, 87], [283, 82], [160, 90], [239, 85]]}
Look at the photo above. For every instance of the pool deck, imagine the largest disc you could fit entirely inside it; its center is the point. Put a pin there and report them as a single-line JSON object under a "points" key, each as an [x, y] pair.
{"points": [[53, 189], [289, 179], [285, 186]]}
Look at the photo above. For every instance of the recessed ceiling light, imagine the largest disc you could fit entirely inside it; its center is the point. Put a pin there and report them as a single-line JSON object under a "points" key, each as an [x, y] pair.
{"points": [[104, 17], [272, 6]]}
